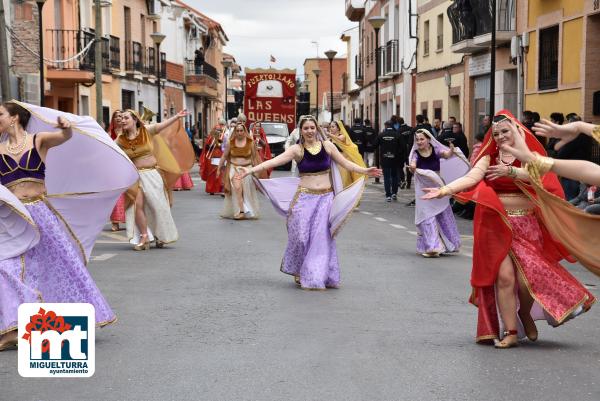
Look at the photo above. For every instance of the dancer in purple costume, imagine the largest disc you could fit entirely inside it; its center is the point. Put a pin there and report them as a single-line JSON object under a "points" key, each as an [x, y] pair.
{"points": [[315, 204], [433, 164], [56, 195]]}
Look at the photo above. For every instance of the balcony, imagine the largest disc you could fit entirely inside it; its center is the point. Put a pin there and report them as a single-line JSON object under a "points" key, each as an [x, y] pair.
{"points": [[472, 24], [358, 70], [134, 56], [66, 44], [390, 57], [355, 10], [150, 68], [201, 79]]}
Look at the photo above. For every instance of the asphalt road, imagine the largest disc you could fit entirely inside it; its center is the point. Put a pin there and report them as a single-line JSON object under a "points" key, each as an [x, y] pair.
{"points": [[212, 318]]}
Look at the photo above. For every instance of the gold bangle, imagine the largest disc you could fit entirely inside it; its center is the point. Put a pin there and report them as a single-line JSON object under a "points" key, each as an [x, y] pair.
{"points": [[445, 191], [544, 164], [596, 133], [539, 166]]}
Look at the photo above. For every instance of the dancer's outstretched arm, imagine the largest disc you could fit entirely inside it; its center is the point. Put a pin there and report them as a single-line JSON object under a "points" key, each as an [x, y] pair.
{"points": [[579, 170], [47, 140], [157, 127], [566, 133], [347, 164], [293, 152]]}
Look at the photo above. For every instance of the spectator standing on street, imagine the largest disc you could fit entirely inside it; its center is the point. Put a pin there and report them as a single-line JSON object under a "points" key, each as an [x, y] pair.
{"points": [[370, 144], [556, 118], [578, 149], [390, 147], [407, 140], [456, 137], [357, 134], [437, 127]]}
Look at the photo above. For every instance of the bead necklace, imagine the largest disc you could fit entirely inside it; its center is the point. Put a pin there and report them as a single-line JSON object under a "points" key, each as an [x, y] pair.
{"points": [[19, 147], [501, 156]]}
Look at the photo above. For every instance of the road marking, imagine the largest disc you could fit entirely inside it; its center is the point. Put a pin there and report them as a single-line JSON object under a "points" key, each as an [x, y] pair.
{"points": [[367, 213], [412, 232], [104, 256], [379, 219], [114, 236], [398, 226]]}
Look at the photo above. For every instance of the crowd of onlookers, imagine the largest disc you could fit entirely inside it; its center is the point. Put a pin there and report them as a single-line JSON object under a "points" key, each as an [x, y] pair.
{"points": [[395, 142]]}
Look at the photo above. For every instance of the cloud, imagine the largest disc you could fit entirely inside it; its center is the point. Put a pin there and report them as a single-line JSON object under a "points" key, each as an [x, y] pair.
{"points": [[285, 29]]}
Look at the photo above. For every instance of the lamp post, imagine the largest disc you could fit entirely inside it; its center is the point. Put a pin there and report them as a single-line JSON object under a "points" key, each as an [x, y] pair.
{"points": [[40, 4], [317, 71], [493, 61], [377, 23], [330, 55], [226, 65], [157, 38]]}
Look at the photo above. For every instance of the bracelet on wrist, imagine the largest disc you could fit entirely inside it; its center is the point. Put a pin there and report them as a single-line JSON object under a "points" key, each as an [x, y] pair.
{"points": [[596, 133]]}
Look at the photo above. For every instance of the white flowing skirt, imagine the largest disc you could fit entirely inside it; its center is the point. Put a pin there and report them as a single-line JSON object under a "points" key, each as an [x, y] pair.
{"points": [[158, 211], [251, 206]]}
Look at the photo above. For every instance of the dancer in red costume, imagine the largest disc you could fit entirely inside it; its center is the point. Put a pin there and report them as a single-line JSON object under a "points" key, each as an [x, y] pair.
{"points": [[262, 145], [209, 161], [516, 274], [118, 214]]}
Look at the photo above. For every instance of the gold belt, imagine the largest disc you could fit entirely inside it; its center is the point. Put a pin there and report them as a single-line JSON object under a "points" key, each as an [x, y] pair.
{"points": [[32, 200], [147, 168], [315, 191], [519, 212], [315, 173]]}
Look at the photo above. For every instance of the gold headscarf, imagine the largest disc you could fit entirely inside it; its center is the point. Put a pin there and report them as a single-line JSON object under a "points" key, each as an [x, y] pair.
{"points": [[350, 152]]}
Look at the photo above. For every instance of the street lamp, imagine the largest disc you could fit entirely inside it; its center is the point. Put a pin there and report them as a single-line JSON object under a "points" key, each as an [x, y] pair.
{"points": [[317, 71], [377, 23], [226, 65], [40, 4], [493, 61], [157, 38], [330, 55]]}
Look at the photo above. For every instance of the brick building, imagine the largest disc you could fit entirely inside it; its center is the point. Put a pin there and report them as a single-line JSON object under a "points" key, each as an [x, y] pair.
{"points": [[321, 100]]}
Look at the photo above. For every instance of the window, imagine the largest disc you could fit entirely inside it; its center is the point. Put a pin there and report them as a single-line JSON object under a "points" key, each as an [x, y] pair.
{"points": [[548, 58], [437, 113], [23, 11], [440, 32], [127, 100], [426, 38]]}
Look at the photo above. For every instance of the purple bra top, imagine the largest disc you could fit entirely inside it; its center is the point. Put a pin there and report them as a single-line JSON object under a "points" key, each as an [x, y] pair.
{"points": [[432, 162], [30, 167], [310, 163]]}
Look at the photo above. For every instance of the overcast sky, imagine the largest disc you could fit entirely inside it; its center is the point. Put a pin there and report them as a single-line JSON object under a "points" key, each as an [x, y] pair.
{"points": [[282, 28]]}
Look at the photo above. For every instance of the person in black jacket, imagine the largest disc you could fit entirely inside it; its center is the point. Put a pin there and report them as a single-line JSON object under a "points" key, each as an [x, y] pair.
{"points": [[370, 144], [357, 135], [390, 146], [456, 137]]}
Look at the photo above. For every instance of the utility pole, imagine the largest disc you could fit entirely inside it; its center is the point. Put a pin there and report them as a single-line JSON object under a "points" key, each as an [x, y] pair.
{"points": [[4, 77], [98, 61]]}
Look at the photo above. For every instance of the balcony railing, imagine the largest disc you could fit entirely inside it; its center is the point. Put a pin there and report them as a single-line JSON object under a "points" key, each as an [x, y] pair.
{"points": [[134, 57], [66, 43], [390, 57], [358, 68], [115, 53], [473, 18], [191, 68], [151, 61]]}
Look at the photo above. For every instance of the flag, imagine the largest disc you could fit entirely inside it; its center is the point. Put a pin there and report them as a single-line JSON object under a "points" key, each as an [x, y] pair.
{"points": [[273, 59]]}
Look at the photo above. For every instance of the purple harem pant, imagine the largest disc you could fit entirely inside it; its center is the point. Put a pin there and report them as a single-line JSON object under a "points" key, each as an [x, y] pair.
{"points": [[51, 271], [311, 254], [438, 233]]}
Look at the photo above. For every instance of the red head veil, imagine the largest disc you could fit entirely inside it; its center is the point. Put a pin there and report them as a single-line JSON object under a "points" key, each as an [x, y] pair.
{"points": [[492, 229]]}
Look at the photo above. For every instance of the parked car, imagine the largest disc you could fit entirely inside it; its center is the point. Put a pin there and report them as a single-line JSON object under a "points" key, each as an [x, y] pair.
{"points": [[277, 134]]}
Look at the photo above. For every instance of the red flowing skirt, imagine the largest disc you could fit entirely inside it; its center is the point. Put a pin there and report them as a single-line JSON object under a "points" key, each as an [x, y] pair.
{"points": [[184, 182], [557, 295], [118, 213]]}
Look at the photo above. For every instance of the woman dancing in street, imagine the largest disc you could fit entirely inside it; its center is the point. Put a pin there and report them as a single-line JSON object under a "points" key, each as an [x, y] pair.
{"points": [[516, 274], [118, 214], [241, 201], [262, 146], [433, 164], [316, 205], [209, 161], [61, 175], [150, 207], [339, 136]]}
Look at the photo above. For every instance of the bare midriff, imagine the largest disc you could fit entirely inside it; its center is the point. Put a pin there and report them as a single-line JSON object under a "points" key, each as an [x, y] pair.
{"points": [[148, 161], [28, 190], [241, 161], [316, 182], [514, 201]]}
